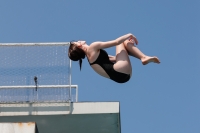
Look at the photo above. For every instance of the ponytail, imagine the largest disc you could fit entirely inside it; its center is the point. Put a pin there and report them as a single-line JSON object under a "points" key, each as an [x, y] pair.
{"points": [[80, 63]]}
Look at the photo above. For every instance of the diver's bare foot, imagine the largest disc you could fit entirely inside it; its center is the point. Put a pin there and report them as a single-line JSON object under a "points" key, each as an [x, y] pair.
{"points": [[147, 59]]}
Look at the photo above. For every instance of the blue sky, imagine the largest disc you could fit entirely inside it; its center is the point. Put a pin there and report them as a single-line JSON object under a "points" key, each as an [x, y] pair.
{"points": [[159, 98]]}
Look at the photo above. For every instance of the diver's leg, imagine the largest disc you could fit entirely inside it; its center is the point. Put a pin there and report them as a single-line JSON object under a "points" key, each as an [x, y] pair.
{"points": [[122, 60], [134, 51]]}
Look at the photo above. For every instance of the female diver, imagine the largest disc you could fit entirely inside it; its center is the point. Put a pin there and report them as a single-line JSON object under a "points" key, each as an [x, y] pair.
{"points": [[117, 68]]}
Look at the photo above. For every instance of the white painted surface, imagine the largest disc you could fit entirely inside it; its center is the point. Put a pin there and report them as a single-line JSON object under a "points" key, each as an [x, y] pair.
{"points": [[82, 117], [17, 127], [58, 108], [95, 107]]}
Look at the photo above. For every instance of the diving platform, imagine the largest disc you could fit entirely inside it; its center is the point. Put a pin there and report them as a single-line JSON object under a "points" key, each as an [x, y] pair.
{"points": [[37, 95], [78, 117]]}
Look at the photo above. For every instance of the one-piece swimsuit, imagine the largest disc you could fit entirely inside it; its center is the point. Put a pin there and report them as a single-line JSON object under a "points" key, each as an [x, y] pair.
{"points": [[107, 65]]}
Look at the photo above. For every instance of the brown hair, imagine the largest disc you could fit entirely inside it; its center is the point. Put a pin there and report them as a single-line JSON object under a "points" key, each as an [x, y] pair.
{"points": [[75, 53]]}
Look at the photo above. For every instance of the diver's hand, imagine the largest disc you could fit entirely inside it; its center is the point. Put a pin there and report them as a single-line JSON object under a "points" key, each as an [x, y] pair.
{"points": [[133, 39]]}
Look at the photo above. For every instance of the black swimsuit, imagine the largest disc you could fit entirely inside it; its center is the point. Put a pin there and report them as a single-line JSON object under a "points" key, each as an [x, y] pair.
{"points": [[107, 65]]}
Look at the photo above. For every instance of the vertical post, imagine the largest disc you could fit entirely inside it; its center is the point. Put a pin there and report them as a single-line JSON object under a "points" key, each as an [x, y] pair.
{"points": [[70, 79], [77, 93]]}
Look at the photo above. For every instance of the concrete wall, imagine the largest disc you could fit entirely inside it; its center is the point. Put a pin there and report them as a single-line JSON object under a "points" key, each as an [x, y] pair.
{"points": [[90, 117]]}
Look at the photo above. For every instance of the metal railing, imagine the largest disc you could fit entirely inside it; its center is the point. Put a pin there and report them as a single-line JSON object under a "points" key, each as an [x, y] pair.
{"points": [[70, 86]]}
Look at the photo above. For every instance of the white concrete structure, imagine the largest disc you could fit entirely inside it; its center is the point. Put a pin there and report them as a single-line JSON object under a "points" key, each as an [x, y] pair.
{"points": [[35, 86], [17, 127], [81, 117]]}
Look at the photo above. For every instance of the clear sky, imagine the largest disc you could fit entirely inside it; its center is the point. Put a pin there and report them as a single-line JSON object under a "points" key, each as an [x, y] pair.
{"points": [[161, 98]]}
